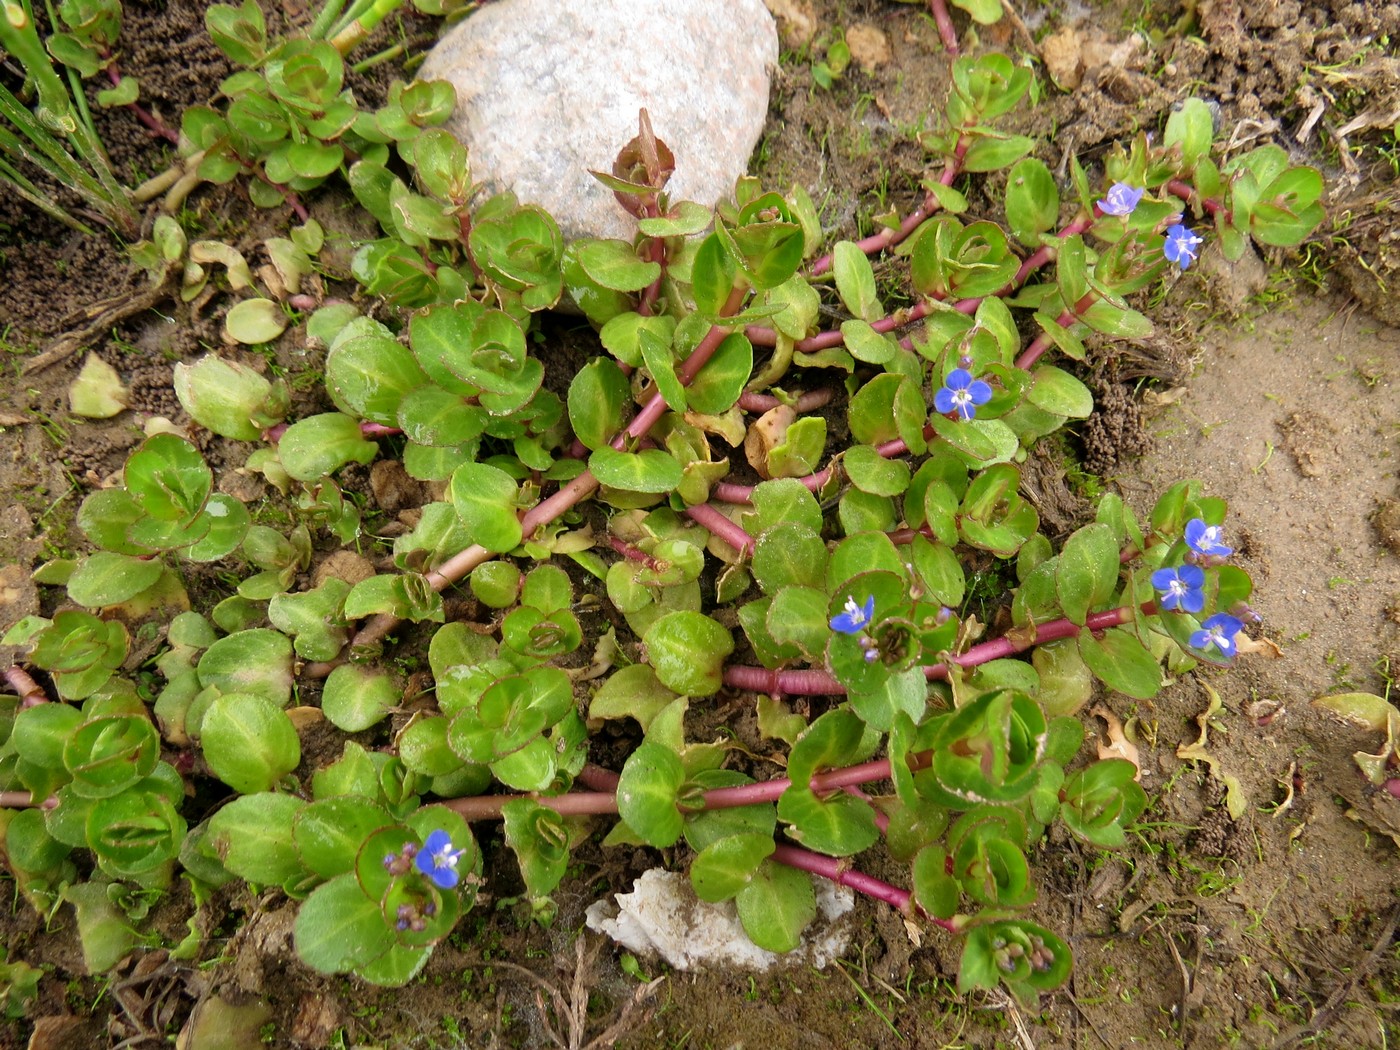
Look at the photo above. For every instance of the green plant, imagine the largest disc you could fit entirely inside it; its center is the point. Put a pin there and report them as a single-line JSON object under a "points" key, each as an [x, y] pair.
{"points": [[836, 576], [56, 138]]}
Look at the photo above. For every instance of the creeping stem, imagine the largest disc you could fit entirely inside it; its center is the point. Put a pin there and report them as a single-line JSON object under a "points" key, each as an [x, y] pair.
{"points": [[574, 492]]}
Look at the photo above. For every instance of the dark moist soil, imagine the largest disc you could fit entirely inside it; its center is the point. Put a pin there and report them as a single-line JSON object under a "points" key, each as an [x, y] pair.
{"points": [[1274, 380]]}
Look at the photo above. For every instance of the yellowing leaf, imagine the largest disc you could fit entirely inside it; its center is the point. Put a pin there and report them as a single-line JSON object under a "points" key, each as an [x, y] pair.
{"points": [[98, 392]]}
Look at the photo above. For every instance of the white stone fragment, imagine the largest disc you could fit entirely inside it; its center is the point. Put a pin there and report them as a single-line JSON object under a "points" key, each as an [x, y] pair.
{"points": [[662, 916], [548, 90]]}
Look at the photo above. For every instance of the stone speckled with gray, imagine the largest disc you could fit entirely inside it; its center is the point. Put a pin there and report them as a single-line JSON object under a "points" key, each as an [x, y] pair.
{"points": [[547, 90]]}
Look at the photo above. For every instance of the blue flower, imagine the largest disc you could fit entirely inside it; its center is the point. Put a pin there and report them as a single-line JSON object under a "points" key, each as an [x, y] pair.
{"points": [[1205, 539], [1120, 199], [1181, 588], [1218, 630], [961, 393], [855, 618], [438, 860], [1180, 246]]}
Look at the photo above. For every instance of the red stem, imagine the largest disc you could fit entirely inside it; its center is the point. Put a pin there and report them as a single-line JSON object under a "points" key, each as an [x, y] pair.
{"points": [[820, 683], [717, 523], [889, 237], [24, 800], [751, 402], [836, 870], [949, 35], [822, 340], [30, 693], [1187, 192], [547, 510], [632, 553]]}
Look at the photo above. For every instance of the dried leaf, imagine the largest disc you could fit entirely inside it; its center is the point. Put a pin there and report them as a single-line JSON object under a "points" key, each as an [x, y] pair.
{"points": [[1235, 800], [1118, 746], [98, 392]]}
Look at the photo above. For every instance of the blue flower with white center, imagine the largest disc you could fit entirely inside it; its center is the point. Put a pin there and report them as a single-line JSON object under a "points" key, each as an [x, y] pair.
{"points": [[1219, 631], [438, 860], [855, 618], [961, 394], [1181, 588], [1120, 199], [1180, 246], [1205, 539]]}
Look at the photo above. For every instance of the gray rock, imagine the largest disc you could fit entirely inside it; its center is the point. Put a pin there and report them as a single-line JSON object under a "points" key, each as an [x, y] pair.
{"points": [[547, 90]]}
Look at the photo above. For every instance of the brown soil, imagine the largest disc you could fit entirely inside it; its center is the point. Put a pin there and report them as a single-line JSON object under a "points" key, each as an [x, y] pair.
{"points": [[1269, 383]]}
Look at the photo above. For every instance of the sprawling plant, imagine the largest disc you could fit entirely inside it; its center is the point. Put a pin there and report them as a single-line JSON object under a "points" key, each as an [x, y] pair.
{"points": [[834, 568]]}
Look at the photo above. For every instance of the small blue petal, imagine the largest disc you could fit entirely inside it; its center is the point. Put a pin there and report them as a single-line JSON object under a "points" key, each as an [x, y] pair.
{"points": [[1206, 539], [855, 618], [958, 379], [980, 392], [943, 401], [1120, 200]]}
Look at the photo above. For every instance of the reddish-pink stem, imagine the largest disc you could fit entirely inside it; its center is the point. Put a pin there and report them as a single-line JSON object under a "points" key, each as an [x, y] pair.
{"points": [[603, 799], [30, 693], [547, 510], [888, 237], [1187, 192], [632, 553], [598, 778], [949, 35], [728, 531], [293, 201], [24, 800], [729, 492], [837, 871], [369, 430], [813, 399], [153, 123], [819, 683], [822, 340]]}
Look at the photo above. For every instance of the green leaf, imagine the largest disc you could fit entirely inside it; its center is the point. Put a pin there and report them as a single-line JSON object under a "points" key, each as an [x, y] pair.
{"points": [[255, 661], [718, 385], [993, 150], [839, 826], [355, 697], [1191, 127], [368, 376], [687, 650], [169, 479], [317, 446], [598, 395], [1121, 662], [253, 321], [338, 927], [104, 579], [614, 264], [249, 742], [661, 363], [776, 906], [855, 281], [1087, 571], [1057, 391], [252, 835], [650, 470], [712, 276], [328, 833], [646, 794], [786, 554], [1032, 200], [873, 473], [485, 499], [726, 866]]}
